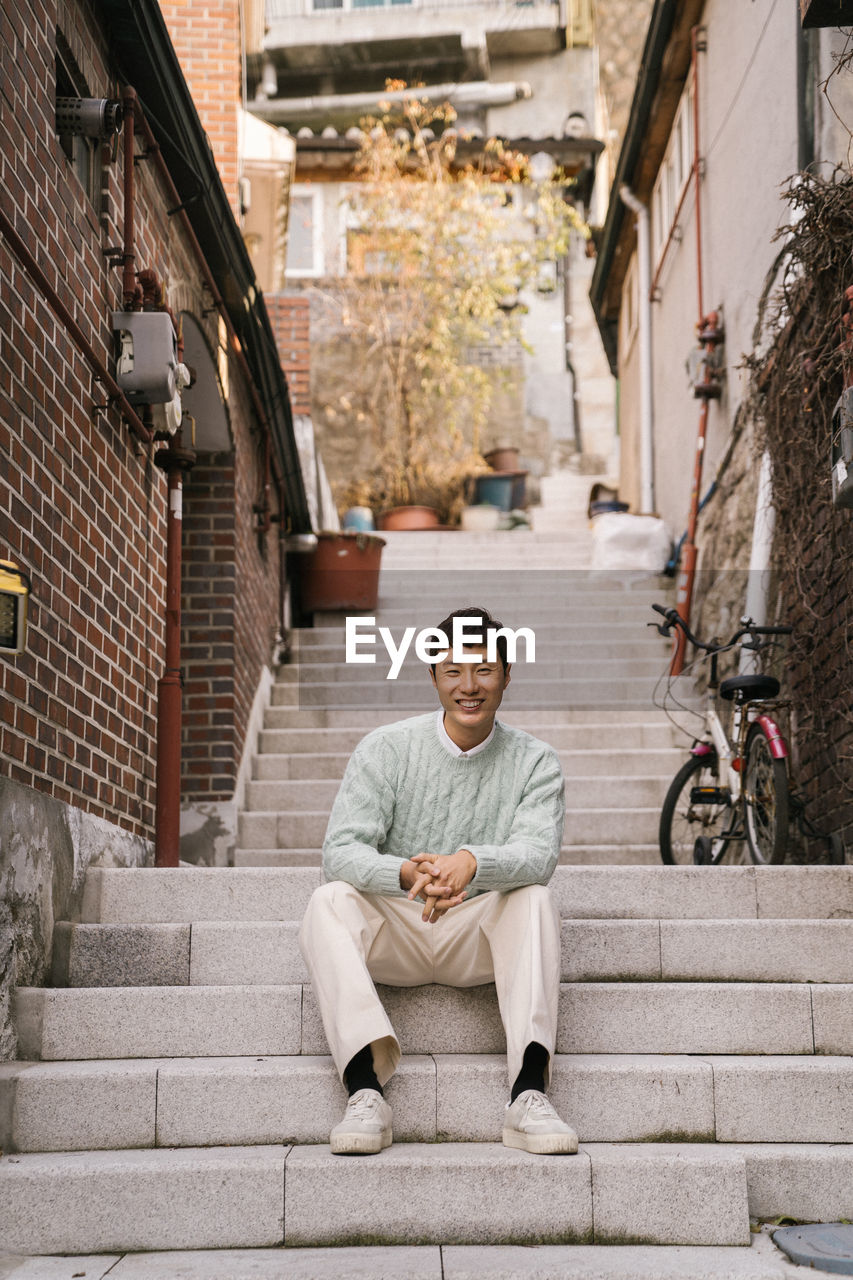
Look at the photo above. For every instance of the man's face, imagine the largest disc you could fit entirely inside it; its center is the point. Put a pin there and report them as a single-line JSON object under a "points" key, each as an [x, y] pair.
{"points": [[470, 693]]}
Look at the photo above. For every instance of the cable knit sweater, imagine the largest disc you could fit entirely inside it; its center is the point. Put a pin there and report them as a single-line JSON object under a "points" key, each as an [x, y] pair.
{"points": [[403, 794]]}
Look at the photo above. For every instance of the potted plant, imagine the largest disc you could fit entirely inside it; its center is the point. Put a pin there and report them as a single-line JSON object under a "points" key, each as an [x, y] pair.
{"points": [[340, 572]]}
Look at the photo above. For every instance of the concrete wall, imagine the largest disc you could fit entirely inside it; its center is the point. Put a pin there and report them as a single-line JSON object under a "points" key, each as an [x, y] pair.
{"points": [[562, 83]]}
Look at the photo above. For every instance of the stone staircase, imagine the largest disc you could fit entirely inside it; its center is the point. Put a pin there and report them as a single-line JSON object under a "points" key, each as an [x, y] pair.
{"points": [[589, 692], [175, 1093]]}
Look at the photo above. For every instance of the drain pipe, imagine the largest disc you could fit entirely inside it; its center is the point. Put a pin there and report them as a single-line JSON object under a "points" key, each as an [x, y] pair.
{"points": [[644, 254]]}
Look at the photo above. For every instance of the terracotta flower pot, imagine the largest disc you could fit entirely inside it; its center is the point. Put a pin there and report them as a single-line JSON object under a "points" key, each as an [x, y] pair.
{"points": [[409, 518], [342, 572], [502, 459]]}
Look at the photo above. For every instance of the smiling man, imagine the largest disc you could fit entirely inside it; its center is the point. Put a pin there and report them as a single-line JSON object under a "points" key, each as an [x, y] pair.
{"points": [[441, 842]]}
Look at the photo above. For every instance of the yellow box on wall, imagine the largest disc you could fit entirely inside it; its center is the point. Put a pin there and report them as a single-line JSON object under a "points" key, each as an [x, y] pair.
{"points": [[14, 597]]}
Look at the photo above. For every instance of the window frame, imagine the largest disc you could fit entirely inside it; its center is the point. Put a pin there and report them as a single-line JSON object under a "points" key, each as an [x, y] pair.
{"points": [[674, 174], [307, 190]]}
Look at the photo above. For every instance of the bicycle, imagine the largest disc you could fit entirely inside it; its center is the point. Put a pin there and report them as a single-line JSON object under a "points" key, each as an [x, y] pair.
{"points": [[733, 788]]}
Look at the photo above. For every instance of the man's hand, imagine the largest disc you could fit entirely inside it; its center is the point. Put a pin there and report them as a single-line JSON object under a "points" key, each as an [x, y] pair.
{"points": [[440, 881]]}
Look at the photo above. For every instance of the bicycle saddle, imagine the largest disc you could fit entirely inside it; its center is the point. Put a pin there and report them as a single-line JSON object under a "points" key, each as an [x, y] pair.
{"points": [[753, 688]]}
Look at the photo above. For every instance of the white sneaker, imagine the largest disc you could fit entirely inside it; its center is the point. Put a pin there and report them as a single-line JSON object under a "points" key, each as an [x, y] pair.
{"points": [[532, 1124], [365, 1128]]}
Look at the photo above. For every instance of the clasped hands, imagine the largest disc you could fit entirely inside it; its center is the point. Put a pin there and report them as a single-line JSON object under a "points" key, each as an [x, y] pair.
{"points": [[439, 879]]}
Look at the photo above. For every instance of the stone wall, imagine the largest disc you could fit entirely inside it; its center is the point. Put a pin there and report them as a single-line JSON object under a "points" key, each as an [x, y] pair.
{"points": [[47, 848]]}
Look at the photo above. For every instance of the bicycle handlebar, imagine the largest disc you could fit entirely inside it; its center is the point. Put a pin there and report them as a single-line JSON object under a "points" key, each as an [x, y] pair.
{"points": [[747, 628]]}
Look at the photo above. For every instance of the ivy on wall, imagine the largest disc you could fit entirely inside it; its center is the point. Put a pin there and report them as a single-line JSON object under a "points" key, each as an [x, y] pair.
{"points": [[797, 374]]}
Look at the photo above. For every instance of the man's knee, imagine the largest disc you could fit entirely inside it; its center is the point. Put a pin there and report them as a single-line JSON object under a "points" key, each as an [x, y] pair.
{"points": [[328, 901], [537, 897], [331, 894]]}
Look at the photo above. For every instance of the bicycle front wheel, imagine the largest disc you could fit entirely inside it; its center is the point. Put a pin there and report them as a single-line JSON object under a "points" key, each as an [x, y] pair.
{"points": [[682, 821], [765, 799]]}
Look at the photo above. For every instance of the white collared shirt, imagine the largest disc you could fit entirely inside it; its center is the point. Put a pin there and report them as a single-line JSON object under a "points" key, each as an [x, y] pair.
{"points": [[450, 746]]}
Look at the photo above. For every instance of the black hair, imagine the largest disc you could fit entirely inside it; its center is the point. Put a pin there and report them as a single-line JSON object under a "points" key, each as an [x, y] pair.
{"points": [[490, 626]]}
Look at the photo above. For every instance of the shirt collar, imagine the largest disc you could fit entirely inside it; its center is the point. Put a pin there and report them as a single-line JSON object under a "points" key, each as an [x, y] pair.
{"points": [[451, 747]]}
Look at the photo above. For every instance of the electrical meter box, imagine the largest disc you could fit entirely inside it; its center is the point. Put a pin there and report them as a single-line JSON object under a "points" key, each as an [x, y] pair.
{"points": [[841, 459], [147, 356], [14, 595]]}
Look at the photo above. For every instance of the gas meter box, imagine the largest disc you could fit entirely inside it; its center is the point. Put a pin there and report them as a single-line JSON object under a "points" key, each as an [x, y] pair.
{"points": [[14, 596], [147, 356], [841, 459]]}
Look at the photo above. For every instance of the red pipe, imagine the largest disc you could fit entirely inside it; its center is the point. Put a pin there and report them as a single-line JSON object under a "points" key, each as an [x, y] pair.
{"points": [[710, 336], [59, 309]]}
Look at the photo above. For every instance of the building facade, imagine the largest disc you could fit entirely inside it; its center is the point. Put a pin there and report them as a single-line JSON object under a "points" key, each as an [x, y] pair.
{"points": [[693, 245], [84, 237], [525, 74]]}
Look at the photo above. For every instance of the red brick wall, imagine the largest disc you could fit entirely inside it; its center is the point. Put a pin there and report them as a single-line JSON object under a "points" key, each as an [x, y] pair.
{"points": [[84, 506], [207, 41], [231, 616], [290, 322]]}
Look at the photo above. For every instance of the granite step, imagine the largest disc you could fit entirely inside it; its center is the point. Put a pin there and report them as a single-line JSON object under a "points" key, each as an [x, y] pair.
{"points": [[401, 698], [563, 637], [551, 667], [539, 720], [188, 894], [241, 1101], [585, 653], [266, 953], [592, 612], [646, 855], [298, 796], [275, 829], [294, 766], [244, 1197], [598, 1017], [591, 740]]}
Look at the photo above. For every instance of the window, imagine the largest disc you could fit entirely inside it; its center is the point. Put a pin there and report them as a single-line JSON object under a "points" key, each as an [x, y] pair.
{"points": [[84, 154], [674, 174], [305, 233]]}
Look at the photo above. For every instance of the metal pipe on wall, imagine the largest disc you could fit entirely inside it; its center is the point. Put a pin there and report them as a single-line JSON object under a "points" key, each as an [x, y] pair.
{"points": [[63, 313]]}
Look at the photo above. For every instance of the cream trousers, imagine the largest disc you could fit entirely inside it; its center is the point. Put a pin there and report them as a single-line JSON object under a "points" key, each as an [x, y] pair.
{"points": [[351, 940]]}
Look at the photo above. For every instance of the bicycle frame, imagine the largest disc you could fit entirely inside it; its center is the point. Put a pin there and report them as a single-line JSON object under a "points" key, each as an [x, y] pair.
{"points": [[720, 745]]}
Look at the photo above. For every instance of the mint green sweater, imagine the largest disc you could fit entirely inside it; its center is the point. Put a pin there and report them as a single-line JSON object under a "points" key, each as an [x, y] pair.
{"points": [[403, 793]]}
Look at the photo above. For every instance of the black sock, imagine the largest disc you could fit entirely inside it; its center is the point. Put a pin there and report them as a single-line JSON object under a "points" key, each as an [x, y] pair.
{"points": [[532, 1073], [359, 1073]]}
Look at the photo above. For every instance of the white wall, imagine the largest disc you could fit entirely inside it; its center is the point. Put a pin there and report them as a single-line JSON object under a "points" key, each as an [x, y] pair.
{"points": [[748, 125]]}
